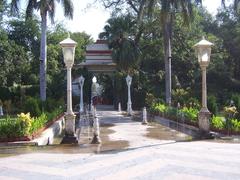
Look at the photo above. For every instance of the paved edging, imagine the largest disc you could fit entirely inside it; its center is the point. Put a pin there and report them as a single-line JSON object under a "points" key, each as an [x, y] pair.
{"points": [[48, 135]]}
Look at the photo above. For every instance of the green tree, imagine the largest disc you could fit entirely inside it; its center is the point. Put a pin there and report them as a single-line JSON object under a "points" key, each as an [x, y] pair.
{"points": [[14, 64], [169, 9], [26, 33], [46, 8], [236, 4], [119, 31]]}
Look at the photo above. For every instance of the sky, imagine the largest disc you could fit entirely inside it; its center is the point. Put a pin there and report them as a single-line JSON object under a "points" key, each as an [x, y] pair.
{"points": [[90, 16]]}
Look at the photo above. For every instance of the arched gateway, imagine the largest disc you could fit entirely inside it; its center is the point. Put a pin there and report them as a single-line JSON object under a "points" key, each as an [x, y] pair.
{"points": [[98, 61]]}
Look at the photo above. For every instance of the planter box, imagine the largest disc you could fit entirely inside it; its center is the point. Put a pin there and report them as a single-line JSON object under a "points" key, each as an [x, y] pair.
{"points": [[48, 135], [36, 134]]}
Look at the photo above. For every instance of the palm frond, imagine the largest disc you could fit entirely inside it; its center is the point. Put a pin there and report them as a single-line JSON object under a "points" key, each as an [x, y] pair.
{"points": [[68, 8], [30, 7], [236, 5], [51, 10], [14, 7]]}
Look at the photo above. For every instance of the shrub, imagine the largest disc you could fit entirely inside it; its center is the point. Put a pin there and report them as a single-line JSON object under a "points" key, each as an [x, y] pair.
{"points": [[190, 113], [218, 122], [172, 111], [150, 99], [38, 123], [13, 127], [212, 104], [32, 105], [230, 111], [25, 122], [236, 100], [193, 102], [180, 95], [160, 108], [235, 124]]}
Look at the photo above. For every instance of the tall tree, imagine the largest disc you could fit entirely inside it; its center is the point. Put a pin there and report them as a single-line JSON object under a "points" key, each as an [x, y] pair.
{"points": [[169, 8], [236, 4], [168, 11], [119, 31], [46, 8]]}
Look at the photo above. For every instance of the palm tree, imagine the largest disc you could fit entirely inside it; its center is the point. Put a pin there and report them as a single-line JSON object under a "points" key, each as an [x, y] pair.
{"points": [[46, 8], [169, 9], [118, 32], [236, 4]]}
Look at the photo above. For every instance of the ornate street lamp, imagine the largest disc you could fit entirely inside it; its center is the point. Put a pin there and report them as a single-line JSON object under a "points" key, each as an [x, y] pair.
{"points": [[203, 51], [129, 103], [81, 82], [96, 131], [68, 48]]}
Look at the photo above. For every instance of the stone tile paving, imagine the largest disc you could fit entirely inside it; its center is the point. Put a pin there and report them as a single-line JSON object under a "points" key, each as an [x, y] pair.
{"points": [[144, 157]]}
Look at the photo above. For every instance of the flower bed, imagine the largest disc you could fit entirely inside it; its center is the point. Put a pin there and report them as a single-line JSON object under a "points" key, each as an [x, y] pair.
{"points": [[189, 115], [25, 127]]}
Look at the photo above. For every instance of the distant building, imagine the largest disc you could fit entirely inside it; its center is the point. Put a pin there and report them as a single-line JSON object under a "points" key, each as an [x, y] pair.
{"points": [[98, 58]]}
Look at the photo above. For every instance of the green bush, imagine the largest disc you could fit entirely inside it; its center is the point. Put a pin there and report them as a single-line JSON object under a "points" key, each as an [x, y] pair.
{"points": [[212, 104], [11, 127], [24, 125], [180, 96], [159, 108], [172, 111], [235, 124], [190, 114], [32, 105], [193, 102], [236, 100], [218, 122]]}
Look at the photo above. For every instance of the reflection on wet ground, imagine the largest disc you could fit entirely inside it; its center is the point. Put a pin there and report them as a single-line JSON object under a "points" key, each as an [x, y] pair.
{"points": [[158, 131], [154, 131], [84, 145]]}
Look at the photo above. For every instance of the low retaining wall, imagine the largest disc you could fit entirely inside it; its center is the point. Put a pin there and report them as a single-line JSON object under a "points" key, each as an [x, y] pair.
{"points": [[47, 136], [187, 129]]}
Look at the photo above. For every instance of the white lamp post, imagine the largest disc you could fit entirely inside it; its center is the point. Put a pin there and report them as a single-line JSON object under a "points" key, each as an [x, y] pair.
{"points": [[96, 134], [93, 90], [129, 104], [81, 82], [68, 48], [203, 50]]}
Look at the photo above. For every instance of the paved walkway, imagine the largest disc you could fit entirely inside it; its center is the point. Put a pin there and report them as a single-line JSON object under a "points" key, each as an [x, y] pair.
{"points": [[129, 151]]}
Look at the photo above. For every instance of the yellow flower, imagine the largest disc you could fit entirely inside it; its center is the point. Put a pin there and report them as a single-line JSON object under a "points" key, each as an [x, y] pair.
{"points": [[26, 119], [231, 110]]}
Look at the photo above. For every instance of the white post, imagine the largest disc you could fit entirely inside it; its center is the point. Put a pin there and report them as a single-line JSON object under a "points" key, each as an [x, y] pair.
{"points": [[69, 91], [204, 88], [144, 116], [203, 52], [204, 114], [81, 82], [96, 134], [68, 47], [1, 111], [129, 104], [119, 107]]}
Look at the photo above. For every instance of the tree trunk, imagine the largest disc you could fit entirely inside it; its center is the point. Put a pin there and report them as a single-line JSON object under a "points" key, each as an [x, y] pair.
{"points": [[43, 57], [167, 60]]}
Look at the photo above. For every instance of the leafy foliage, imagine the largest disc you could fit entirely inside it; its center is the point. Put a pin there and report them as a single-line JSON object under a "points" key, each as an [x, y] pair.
{"points": [[218, 122]]}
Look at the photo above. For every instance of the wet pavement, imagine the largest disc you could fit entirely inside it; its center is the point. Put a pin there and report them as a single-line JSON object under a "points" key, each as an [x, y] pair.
{"points": [[153, 151]]}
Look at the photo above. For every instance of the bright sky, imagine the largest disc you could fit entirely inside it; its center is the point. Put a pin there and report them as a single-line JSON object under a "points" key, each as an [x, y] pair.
{"points": [[92, 19]]}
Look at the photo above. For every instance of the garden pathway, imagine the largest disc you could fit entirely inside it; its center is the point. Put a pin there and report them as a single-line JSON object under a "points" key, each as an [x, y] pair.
{"points": [[129, 150]]}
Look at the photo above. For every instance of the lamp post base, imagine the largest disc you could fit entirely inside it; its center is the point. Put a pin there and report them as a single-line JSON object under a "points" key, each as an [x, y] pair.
{"points": [[203, 121], [129, 109], [69, 140], [70, 137], [96, 139]]}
